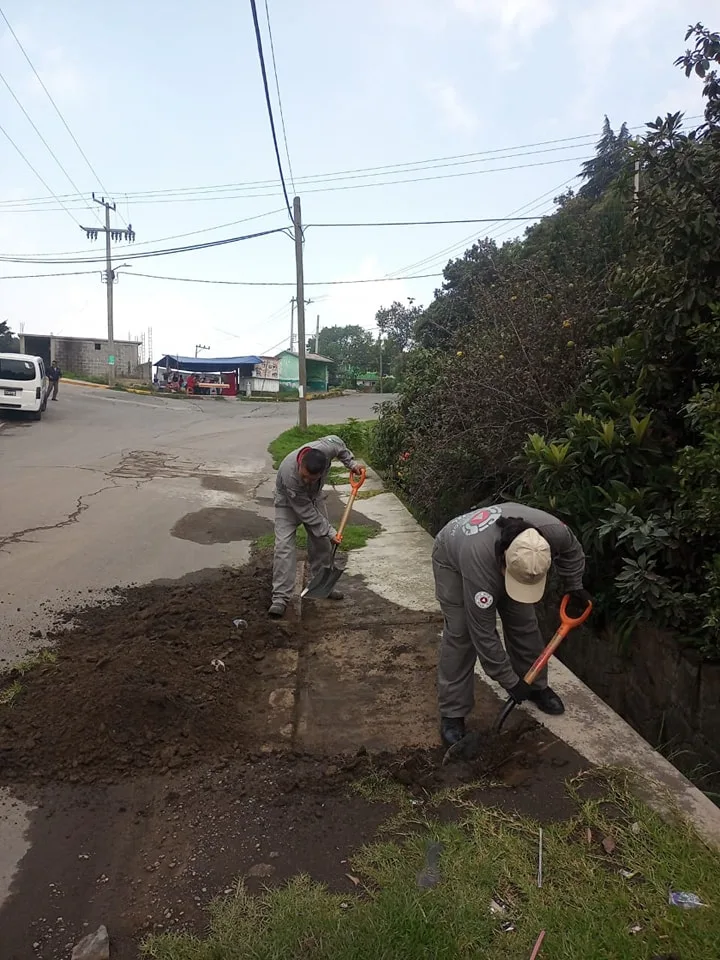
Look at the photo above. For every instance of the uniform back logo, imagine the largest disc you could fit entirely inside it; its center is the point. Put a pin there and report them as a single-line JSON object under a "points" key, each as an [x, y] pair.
{"points": [[480, 520]]}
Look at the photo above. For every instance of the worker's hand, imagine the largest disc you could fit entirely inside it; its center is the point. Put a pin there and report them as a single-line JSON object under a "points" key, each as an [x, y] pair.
{"points": [[520, 692], [356, 470], [578, 603], [336, 538]]}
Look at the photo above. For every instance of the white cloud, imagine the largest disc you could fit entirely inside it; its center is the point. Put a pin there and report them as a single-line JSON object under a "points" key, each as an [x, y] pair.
{"points": [[521, 18], [456, 114]]}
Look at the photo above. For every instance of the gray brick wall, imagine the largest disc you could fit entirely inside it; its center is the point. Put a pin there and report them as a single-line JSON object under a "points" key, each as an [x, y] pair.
{"points": [[90, 357]]}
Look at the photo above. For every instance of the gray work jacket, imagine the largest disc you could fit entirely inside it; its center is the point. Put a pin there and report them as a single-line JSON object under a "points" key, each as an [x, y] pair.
{"points": [[467, 546], [301, 497]]}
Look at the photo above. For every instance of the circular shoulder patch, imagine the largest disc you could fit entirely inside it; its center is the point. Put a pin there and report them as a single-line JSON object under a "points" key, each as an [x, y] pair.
{"points": [[483, 599], [480, 520]]}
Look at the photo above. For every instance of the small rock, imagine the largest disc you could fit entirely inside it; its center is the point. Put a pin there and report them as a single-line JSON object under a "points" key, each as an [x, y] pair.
{"points": [[261, 870], [96, 946]]}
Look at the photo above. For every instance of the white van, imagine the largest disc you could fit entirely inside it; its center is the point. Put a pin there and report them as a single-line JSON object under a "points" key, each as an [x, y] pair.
{"points": [[23, 384]]}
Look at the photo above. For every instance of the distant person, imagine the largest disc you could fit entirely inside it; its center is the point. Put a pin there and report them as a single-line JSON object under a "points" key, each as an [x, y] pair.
{"points": [[489, 562], [299, 500], [54, 374]]}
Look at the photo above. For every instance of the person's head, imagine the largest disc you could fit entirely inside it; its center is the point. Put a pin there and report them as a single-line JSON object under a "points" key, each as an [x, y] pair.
{"points": [[312, 465], [54, 363], [525, 557]]}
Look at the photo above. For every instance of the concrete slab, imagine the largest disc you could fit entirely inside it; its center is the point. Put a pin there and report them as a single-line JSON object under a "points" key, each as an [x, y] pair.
{"points": [[397, 566]]}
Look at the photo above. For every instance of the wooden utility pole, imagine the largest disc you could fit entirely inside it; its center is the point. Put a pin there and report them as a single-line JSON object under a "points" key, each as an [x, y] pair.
{"points": [[300, 299], [109, 278], [292, 323], [317, 334]]}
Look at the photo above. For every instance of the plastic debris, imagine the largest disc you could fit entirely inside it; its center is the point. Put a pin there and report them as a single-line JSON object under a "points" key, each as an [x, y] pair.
{"points": [[498, 906], [538, 944], [508, 927], [688, 901], [429, 876], [540, 859], [609, 845], [240, 624], [636, 928], [354, 880], [218, 664], [628, 874]]}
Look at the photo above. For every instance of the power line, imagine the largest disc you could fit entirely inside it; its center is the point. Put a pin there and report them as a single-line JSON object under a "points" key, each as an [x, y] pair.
{"points": [[278, 283], [42, 138], [277, 88], [50, 98], [40, 178], [35, 276], [148, 253], [145, 243], [269, 106], [417, 223], [522, 149]]}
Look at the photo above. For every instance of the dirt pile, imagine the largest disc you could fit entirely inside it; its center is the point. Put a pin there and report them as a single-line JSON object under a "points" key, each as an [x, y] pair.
{"points": [[134, 686]]}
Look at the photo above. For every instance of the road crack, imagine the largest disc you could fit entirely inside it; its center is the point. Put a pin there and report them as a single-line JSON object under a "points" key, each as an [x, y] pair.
{"points": [[81, 505]]}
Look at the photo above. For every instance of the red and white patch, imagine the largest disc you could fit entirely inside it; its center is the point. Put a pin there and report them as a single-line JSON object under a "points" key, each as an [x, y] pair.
{"points": [[484, 600], [481, 520]]}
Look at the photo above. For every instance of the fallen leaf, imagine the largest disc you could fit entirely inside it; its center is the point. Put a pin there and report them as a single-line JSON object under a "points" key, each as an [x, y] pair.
{"points": [[608, 845], [588, 835], [355, 880]]}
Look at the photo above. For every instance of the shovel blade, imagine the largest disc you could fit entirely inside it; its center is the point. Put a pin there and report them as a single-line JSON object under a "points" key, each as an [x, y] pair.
{"points": [[322, 584]]}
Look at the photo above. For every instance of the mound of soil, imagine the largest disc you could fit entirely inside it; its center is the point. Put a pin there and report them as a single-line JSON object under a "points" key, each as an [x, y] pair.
{"points": [[133, 687]]}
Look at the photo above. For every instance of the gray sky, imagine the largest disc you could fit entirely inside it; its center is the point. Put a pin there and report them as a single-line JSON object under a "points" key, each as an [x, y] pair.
{"points": [[166, 101]]}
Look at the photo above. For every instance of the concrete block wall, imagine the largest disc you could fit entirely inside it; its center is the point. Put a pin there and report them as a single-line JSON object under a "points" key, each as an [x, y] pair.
{"points": [[90, 357]]}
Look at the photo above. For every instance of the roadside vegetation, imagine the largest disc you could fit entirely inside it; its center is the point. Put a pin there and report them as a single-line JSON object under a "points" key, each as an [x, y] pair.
{"points": [[606, 879], [356, 434], [355, 536], [578, 369]]}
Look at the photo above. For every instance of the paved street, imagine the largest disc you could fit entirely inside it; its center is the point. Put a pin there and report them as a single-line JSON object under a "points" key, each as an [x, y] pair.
{"points": [[91, 494]]}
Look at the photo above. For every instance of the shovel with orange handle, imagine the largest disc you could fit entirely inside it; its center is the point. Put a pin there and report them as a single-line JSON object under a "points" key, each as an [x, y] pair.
{"points": [[323, 583], [471, 742]]}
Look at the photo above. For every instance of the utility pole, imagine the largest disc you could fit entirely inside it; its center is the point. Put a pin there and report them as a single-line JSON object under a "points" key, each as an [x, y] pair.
{"points": [[636, 186], [380, 347], [199, 346], [110, 235], [302, 368], [317, 334], [292, 323]]}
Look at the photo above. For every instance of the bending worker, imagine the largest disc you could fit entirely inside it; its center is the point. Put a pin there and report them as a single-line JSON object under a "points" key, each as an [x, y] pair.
{"points": [[299, 499], [495, 561]]}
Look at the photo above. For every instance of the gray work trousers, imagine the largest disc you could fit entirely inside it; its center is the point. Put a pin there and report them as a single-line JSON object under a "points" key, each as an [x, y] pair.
{"points": [[285, 557], [460, 647]]}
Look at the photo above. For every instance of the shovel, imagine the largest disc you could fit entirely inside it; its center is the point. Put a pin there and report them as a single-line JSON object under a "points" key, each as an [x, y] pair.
{"points": [[470, 744], [323, 583]]}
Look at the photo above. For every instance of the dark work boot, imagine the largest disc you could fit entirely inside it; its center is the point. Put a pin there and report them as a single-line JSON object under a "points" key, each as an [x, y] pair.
{"points": [[452, 729], [277, 609], [548, 701]]}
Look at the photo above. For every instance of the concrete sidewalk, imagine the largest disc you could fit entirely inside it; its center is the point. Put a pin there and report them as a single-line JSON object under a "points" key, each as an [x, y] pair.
{"points": [[397, 566]]}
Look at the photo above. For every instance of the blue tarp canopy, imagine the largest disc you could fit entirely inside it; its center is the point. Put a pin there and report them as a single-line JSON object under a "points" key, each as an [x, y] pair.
{"points": [[207, 364]]}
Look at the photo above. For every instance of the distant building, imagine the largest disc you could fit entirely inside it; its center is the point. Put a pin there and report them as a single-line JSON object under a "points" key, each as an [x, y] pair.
{"points": [[84, 356], [367, 381], [317, 369]]}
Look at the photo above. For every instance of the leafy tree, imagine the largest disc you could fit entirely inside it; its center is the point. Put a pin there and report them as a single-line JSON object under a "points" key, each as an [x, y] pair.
{"points": [[353, 349], [612, 155], [9, 343]]}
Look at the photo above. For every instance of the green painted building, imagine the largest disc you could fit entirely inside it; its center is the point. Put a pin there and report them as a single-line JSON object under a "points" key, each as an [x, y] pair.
{"points": [[317, 369]]}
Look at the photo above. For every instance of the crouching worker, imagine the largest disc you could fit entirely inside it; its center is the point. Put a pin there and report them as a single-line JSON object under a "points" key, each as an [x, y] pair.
{"points": [[299, 499], [495, 561]]}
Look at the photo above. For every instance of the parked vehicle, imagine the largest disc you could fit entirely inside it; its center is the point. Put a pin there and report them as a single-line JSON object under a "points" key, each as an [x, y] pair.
{"points": [[23, 384]]}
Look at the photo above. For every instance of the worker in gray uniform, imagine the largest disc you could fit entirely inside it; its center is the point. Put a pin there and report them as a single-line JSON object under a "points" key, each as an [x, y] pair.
{"points": [[495, 561], [299, 499]]}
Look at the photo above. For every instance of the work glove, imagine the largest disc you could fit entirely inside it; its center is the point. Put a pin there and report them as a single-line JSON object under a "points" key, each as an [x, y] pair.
{"points": [[520, 692], [577, 605]]}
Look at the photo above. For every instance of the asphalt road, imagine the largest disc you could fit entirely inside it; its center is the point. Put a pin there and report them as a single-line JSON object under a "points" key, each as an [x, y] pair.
{"points": [[90, 495]]}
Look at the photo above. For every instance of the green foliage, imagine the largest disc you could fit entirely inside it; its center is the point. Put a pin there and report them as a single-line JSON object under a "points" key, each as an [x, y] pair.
{"points": [[355, 536], [357, 435], [9, 343]]}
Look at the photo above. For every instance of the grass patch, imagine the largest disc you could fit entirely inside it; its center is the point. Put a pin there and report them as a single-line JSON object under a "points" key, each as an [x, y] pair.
{"points": [[90, 378], [355, 536], [585, 905], [10, 693], [368, 494], [355, 433], [35, 660]]}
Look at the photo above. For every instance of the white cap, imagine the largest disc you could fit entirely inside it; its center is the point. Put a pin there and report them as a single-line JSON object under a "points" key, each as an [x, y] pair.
{"points": [[527, 564]]}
